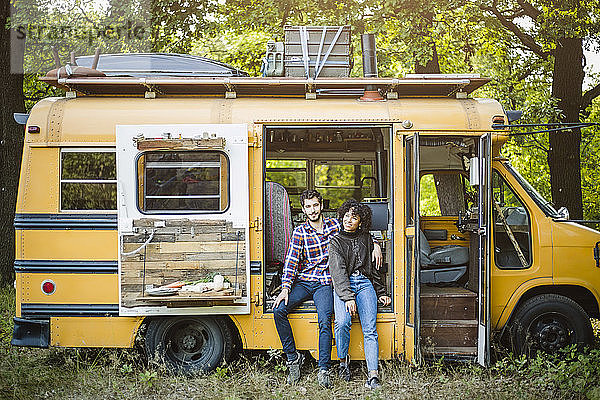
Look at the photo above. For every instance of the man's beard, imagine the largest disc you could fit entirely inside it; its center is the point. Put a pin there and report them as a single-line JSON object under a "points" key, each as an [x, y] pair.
{"points": [[314, 219]]}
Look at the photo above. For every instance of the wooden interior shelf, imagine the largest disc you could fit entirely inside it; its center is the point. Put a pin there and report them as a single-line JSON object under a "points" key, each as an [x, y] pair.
{"points": [[223, 297]]}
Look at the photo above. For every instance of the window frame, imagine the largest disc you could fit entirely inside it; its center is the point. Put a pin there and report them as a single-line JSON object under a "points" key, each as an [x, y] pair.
{"points": [[493, 223], [89, 181], [320, 161], [464, 181], [180, 212], [305, 170]]}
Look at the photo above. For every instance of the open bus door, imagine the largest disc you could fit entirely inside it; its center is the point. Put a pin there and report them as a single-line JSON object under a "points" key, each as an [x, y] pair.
{"points": [[183, 219], [411, 242], [483, 314]]}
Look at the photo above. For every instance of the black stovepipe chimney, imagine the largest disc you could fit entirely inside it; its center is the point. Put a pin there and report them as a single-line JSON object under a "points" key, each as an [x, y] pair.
{"points": [[367, 41]]}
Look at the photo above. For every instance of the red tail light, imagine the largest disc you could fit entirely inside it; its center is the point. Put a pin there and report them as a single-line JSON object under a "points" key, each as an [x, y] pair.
{"points": [[48, 287]]}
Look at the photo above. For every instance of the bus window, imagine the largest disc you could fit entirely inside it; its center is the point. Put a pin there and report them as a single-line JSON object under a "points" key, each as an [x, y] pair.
{"points": [[428, 197], [291, 174], [88, 180], [183, 181], [340, 181], [444, 193], [512, 227]]}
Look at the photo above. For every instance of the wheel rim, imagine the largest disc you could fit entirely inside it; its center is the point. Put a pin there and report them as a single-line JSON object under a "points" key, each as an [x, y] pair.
{"points": [[550, 332], [189, 343]]}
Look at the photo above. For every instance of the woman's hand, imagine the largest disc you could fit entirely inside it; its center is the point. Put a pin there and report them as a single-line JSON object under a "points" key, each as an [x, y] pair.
{"points": [[351, 307], [385, 300], [377, 256]]}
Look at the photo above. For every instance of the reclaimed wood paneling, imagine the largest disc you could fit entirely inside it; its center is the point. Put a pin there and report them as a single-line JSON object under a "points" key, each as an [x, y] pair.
{"points": [[180, 249]]}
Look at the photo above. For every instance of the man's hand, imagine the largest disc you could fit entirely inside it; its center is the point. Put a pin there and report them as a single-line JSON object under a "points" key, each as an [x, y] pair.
{"points": [[377, 255], [283, 296], [385, 300], [351, 307]]}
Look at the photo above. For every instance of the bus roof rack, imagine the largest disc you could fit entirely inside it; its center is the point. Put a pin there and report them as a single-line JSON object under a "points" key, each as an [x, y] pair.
{"points": [[232, 87]]}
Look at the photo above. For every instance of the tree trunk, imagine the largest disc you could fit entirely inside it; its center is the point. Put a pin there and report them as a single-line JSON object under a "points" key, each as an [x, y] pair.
{"points": [[564, 155], [450, 192], [11, 144], [432, 66]]}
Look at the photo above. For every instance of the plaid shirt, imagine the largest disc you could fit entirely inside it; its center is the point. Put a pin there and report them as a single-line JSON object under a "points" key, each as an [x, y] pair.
{"points": [[308, 254]]}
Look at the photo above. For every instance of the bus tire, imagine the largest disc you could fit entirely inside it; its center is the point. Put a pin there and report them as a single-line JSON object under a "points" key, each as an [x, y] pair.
{"points": [[549, 322], [188, 343]]}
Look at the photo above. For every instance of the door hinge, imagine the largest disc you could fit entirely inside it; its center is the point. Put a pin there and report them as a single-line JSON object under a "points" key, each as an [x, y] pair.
{"points": [[256, 224], [258, 299], [255, 140]]}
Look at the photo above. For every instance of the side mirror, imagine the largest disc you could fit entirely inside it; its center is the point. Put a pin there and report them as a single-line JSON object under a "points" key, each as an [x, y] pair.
{"points": [[563, 212]]}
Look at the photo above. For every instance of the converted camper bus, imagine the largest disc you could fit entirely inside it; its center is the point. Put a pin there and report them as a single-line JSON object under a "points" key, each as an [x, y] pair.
{"points": [[161, 207]]}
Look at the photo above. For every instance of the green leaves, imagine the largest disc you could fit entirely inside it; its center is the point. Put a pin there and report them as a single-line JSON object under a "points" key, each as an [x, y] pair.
{"points": [[241, 50]]}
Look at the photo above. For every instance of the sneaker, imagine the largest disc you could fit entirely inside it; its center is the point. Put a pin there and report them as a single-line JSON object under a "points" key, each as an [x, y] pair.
{"points": [[373, 383], [344, 369], [294, 368], [324, 379]]}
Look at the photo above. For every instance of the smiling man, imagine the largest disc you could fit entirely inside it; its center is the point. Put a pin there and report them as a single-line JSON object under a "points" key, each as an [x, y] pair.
{"points": [[306, 275]]}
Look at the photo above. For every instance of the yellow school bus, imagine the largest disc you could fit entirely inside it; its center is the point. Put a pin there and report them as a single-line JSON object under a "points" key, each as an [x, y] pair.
{"points": [[136, 194]]}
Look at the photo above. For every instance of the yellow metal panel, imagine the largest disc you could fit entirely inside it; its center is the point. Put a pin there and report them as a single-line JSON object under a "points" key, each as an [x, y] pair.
{"points": [[385, 332], [303, 326], [39, 117], [503, 305], [39, 183], [409, 344], [255, 182], [18, 294], [306, 335], [93, 119], [243, 324], [574, 263], [68, 245], [70, 288], [399, 300], [94, 331]]}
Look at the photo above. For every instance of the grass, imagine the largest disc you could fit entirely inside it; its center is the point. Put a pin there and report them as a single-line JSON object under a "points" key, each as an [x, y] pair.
{"points": [[57, 373]]}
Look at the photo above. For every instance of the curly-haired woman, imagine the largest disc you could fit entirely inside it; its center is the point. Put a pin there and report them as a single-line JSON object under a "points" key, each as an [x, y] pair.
{"points": [[358, 287]]}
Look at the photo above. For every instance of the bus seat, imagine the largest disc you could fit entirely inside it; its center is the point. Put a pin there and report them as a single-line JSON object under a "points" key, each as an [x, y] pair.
{"points": [[278, 224], [380, 215], [444, 264]]}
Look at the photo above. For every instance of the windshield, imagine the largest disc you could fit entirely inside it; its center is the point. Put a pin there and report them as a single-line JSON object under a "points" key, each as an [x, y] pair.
{"points": [[544, 204]]}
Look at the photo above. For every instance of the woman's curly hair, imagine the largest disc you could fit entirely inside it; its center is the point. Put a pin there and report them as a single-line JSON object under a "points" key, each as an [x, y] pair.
{"points": [[361, 210]]}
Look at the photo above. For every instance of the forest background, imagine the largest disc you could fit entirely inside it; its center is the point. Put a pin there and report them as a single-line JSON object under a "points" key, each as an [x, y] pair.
{"points": [[534, 51]]}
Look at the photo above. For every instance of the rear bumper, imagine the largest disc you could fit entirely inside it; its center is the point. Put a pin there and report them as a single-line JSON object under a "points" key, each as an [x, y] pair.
{"points": [[31, 333]]}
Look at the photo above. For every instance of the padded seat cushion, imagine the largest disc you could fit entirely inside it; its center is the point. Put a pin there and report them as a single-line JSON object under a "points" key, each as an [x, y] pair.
{"points": [[449, 255], [443, 256], [278, 222]]}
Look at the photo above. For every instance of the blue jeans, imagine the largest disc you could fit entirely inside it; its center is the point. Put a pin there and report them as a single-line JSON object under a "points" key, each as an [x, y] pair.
{"points": [[323, 298], [366, 303]]}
